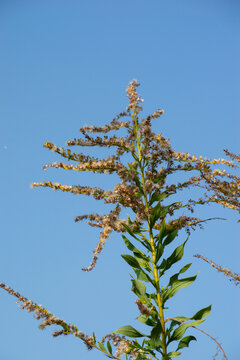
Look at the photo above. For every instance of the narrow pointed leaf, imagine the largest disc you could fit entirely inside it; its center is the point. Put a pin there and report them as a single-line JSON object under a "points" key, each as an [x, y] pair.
{"points": [[157, 197], [173, 324], [160, 250], [179, 332], [181, 318], [131, 167], [174, 277], [141, 357], [177, 285], [139, 185], [138, 288], [146, 320], [202, 313], [109, 347], [102, 346], [162, 231], [145, 242], [185, 268], [173, 354], [141, 275], [129, 230], [128, 243], [159, 178], [129, 331], [141, 255], [155, 335], [132, 248], [142, 262], [170, 237], [158, 212], [173, 258], [131, 261], [185, 341]]}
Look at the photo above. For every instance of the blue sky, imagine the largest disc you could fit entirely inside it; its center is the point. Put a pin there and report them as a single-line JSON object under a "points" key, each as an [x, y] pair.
{"points": [[64, 64]]}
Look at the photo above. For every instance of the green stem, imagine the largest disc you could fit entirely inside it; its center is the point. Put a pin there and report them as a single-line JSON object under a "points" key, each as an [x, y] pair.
{"points": [[155, 271]]}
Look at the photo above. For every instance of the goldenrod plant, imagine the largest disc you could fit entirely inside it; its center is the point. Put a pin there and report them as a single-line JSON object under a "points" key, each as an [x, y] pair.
{"points": [[144, 162]]}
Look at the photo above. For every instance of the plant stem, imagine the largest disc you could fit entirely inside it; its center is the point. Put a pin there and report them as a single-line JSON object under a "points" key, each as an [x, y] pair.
{"points": [[155, 271]]}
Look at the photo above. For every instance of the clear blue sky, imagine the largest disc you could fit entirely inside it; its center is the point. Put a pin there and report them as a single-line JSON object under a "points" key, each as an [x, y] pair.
{"points": [[64, 64]]}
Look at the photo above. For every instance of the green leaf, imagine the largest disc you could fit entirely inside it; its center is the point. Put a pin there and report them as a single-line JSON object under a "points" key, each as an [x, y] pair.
{"points": [[102, 347], [129, 331], [145, 242], [179, 332], [132, 248], [174, 277], [179, 319], [109, 347], [141, 275], [138, 183], [202, 313], [141, 357], [158, 212], [131, 261], [162, 231], [159, 178], [141, 255], [129, 230], [170, 237], [173, 354], [185, 268], [173, 258], [128, 243], [159, 251], [129, 220], [173, 324], [131, 167], [177, 285], [146, 320], [155, 335], [138, 288], [185, 341], [155, 214], [157, 197], [143, 261]]}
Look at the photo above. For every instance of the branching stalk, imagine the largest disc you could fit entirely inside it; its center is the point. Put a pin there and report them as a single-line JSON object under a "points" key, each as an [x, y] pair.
{"points": [[142, 184], [155, 271]]}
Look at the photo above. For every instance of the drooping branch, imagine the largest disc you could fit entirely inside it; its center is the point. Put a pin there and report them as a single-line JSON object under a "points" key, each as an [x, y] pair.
{"points": [[232, 276]]}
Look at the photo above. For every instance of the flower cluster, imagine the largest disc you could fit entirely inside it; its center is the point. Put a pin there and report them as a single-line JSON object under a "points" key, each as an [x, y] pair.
{"points": [[134, 98], [160, 160], [114, 125]]}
